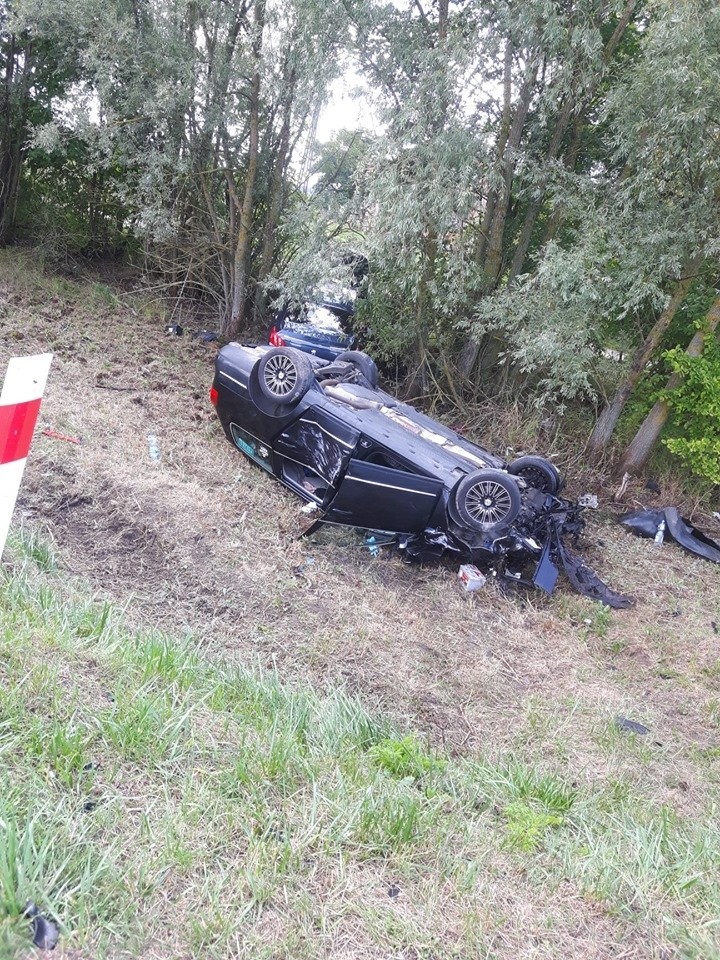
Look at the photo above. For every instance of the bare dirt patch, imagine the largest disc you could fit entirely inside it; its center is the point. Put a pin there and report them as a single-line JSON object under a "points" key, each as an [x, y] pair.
{"points": [[202, 541]]}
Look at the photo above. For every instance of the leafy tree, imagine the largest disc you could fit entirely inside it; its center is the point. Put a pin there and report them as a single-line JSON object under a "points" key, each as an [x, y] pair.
{"points": [[627, 236], [38, 63], [664, 125], [335, 168], [202, 106], [458, 184]]}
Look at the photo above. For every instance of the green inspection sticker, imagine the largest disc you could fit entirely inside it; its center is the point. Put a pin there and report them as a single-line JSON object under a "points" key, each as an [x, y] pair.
{"points": [[246, 447], [251, 447]]}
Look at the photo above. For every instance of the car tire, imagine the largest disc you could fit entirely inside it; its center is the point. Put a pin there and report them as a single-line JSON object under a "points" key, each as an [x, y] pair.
{"points": [[537, 472], [284, 375], [365, 364], [487, 501]]}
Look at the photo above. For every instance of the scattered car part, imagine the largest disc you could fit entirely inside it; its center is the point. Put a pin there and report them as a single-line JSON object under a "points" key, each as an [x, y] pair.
{"points": [[647, 523], [546, 572], [368, 461], [45, 932], [586, 581], [631, 726]]}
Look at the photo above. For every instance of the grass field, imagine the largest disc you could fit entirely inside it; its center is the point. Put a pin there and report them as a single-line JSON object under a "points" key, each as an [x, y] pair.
{"points": [[217, 740]]}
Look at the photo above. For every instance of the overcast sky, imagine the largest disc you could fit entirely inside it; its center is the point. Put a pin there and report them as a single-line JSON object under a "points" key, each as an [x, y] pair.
{"points": [[347, 109]]}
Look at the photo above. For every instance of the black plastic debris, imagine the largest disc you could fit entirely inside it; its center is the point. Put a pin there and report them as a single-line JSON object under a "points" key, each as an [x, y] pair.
{"points": [[546, 573], [647, 523], [587, 582], [393, 891], [205, 336], [45, 932], [631, 726], [174, 330]]}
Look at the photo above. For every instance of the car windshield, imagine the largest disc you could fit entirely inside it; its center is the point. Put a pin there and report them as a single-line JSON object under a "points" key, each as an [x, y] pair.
{"points": [[321, 318]]}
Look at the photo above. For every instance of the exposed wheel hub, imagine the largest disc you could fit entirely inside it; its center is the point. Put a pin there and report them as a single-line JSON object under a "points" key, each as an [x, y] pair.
{"points": [[280, 375], [488, 502]]}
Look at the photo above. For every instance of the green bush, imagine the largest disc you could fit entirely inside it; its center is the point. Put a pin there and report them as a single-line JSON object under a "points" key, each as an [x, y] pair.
{"points": [[696, 409]]}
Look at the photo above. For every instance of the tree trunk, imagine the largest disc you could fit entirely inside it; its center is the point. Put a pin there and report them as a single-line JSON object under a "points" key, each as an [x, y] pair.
{"points": [[607, 421], [429, 246], [501, 144], [13, 133], [277, 191], [535, 205], [639, 450], [242, 248], [489, 253], [493, 260], [570, 161], [275, 200]]}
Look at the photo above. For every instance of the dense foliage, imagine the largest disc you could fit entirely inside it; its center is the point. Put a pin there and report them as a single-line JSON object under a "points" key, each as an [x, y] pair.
{"points": [[537, 192], [696, 407]]}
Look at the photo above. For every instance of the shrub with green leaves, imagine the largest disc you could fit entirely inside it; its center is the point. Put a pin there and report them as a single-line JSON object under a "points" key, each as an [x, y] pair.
{"points": [[696, 410]]}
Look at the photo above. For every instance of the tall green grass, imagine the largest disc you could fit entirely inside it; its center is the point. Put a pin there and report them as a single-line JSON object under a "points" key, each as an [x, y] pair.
{"points": [[152, 797]]}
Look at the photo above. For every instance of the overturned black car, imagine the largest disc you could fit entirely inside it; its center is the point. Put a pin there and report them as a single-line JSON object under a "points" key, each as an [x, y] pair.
{"points": [[327, 431]]}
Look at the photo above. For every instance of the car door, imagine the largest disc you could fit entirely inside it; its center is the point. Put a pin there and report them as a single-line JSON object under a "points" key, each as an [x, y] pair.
{"points": [[377, 497], [313, 451]]}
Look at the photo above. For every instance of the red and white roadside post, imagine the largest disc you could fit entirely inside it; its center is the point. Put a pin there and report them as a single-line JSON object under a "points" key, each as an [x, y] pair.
{"points": [[19, 407]]}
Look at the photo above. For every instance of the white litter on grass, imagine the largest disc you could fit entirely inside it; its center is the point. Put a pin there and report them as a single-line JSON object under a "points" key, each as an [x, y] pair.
{"points": [[588, 500], [309, 508], [153, 447], [471, 578]]}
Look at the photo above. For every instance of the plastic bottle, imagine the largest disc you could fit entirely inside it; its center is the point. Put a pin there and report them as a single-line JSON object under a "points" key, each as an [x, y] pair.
{"points": [[153, 447], [660, 535], [373, 546]]}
